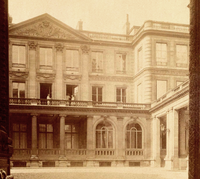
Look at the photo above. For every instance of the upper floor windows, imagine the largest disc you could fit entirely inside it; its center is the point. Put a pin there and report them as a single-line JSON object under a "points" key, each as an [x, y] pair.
{"points": [[181, 55], [72, 60], [121, 63], [97, 62], [18, 90], [18, 54], [46, 57], [161, 53], [97, 93], [121, 95]]}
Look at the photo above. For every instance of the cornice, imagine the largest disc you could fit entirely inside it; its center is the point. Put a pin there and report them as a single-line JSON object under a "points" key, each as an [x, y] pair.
{"points": [[111, 78], [164, 71]]}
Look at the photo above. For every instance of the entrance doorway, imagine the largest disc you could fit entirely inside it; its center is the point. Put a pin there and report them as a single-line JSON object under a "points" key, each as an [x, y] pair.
{"points": [[72, 91], [45, 90]]}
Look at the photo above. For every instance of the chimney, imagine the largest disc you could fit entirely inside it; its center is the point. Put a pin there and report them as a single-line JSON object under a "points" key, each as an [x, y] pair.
{"points": [[80, 25], [127, 25]]}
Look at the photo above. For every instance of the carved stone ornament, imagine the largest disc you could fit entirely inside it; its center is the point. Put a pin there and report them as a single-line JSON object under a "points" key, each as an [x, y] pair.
{"points": [[59, 47], [44, 29], [50, 76], [32, 45], [85, 49], [18, 74], [72, 77]]}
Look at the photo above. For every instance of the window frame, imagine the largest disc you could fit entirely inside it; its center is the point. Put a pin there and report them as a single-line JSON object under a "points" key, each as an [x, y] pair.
{"points": [[46, 66], [25, 55], [72, 67], [121, 71], [161, 62], [121, 94], [97, 70]]}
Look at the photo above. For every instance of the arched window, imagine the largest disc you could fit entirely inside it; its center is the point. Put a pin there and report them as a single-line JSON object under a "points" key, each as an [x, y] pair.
{"points": [[133, 136], [104, 135]]}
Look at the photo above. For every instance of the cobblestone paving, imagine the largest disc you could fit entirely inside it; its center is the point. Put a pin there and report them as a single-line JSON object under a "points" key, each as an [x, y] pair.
{"points": [[97, 173]]}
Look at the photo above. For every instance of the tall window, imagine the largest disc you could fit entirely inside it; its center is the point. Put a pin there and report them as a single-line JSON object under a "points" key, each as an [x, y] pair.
{"points": [[18, 54], [97, 62], [46, 57], [18, 90], [133, 136], [19, 136], [45, 136], [161, 53], [140, 59], [71, 136], [121, 63], [72, 60], [104, 135], [161, 88], [139, 93], [181, 54], [97, 93], [121, 95]]}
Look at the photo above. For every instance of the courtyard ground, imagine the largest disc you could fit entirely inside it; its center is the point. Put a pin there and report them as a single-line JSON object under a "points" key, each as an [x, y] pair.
{"points": [[98, 173]]}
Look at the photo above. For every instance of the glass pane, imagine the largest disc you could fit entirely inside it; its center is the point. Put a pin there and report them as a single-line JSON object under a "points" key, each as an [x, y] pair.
{"points": [[22, 54], [75, 59], [110, 139], [139, 140], [49, 128], [68, 58], [133, 139], [49, 56], [49, 140], [23, 140], [15, 127], [98, 139], [67, 128], [42, 140], [16, 140], [74, 141], [23, 127], [42, 56], [104, 139], [42, 128], [68, 141]]}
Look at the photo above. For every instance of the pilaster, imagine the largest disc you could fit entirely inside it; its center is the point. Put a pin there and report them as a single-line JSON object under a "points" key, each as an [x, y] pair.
{"points": [[120, 147], [32, 69], [85, 68], [59, 72], [62, 137]]}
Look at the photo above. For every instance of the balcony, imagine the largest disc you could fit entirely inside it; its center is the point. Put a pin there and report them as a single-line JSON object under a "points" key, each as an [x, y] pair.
{"points": [[69, 103]]}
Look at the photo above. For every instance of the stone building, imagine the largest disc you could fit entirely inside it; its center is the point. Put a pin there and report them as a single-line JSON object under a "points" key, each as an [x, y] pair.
{"points": [[81, 98]]}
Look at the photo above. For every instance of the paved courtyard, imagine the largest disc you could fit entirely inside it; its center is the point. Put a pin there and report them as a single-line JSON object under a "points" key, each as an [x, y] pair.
{"points": [[97, 173]]}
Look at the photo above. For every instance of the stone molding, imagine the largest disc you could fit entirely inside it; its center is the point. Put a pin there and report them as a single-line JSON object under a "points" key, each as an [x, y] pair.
{"points": [[49, 76], [111, 78], [72, 77]]}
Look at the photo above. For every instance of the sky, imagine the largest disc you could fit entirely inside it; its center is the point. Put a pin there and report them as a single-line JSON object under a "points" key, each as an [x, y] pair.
{"points": [[102, 15]]}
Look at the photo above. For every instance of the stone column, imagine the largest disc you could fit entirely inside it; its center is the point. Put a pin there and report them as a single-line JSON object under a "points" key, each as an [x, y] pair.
{"points": [[175, 140], [32, 70], [62, 136], [156, 142], [59, 72], [85, 69], [120, 147], [34, 149], [90, 142]]}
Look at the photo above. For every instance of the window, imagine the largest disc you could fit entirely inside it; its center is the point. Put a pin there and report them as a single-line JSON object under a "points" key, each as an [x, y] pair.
{"points": [[46, 57], [121, 95], [71, 92], [72, 60], [71, 136], [140, 59], [181, 54], [121, 63], [97, 62], [45, 136], [18, 90], [139, 93], [97, 93], [161, 88], [161, 53], [19, 136], [104, 135], [133, 136], [18, 54]]}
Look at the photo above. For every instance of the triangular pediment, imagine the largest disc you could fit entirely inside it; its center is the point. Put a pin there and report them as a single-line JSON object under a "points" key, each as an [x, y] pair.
{"points": [[46, 26]]}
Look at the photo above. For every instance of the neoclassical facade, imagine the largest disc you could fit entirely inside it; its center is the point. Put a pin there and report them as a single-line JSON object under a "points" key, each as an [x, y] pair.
{"points": [[81, 98]]}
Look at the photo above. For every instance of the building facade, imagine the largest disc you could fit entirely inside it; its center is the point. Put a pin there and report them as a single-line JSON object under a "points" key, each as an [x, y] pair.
{"points": [[81, 98]]}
